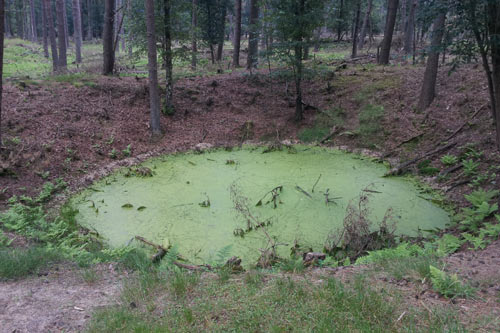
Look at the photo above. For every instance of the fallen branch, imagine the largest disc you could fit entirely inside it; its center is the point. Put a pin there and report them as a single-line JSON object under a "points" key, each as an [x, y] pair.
{"points": [[316, 183], [457, 184], [161, 250], [399, 169], [193, 267], [466, 122], [450, 170], [329, 135], [300, 189]]}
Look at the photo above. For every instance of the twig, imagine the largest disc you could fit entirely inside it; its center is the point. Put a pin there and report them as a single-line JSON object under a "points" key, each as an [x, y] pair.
{"points": [[397, 170], [315, 183], [466, 122], [300, 189], [460, 183]]}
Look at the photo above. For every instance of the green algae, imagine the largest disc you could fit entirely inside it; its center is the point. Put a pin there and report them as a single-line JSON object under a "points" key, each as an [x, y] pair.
{"points": [[188, 200]]}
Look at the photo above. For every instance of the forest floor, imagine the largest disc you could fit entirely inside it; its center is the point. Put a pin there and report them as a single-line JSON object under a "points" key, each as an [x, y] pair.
{"points": [[80, 127]]}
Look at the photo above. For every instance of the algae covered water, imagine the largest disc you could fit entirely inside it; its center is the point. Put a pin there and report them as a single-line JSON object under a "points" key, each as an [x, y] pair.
{"points": [[190, 201]]}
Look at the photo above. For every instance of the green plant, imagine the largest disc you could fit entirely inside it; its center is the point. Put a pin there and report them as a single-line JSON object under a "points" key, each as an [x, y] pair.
{"points": [[426, 169], [471, 218], [127, 151], [449, 285], [479, 242], [470, 167], [292, 265], [448, 244], [449, 160], [370, 118], [17, 263], [89, 275], [113, 153]]}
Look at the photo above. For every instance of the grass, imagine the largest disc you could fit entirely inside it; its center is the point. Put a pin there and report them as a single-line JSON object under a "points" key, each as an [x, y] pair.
{"points": [[370, 126], [252, 303], [322, 125], [17, 263]]}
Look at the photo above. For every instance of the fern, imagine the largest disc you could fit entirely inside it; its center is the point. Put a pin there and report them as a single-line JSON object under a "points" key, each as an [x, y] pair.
{"points": [[449, 285], [222, 255], [479, 243], [403, 250], [477, 198], [491, 230], [448, 244]]}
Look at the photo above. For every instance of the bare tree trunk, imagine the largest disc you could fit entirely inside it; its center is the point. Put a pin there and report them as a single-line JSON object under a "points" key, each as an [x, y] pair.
{"points": [[299, 108], [194, 24], [356, 27], [340, 18], [429, 84], [117, 27], [44, 32], [410, 28], [385, 49], [34, 34], [2, 26], [253, 36], [403, 12], [77, 24], [317, 39], [169, 82], [52, 34], [66, 31], [89, 19], [494, 32], [107, 38], [220, 46], [61, 38], [8, 22], [237, 35], [154, 94], [364, 27]]}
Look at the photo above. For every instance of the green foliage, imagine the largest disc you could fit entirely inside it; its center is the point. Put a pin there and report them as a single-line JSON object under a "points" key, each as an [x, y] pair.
{"points": [[470, 167], [403, 250], [18, 263], [449, 285], [478, 243], [448, 244], [471, 218], [425, 168], [449, 160], [292, 265], [370, 119], [323, 123], [477, 198], [127, 151]]}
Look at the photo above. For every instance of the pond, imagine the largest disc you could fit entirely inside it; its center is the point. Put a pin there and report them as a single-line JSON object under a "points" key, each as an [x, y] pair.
{"points": [[201, 203]]}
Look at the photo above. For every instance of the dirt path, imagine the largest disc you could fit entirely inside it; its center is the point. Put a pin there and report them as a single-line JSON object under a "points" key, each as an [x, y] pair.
{"points": [[60, 301]]}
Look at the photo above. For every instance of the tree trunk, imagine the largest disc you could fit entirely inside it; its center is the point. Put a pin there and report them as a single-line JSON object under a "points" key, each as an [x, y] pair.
{"points": [[117, 27], [356, 28], [154, 95], [220, 46], [403, 12], [107, 38], [364, 27], [61, 38], [34, 34], [2, 26], [494, 32], [44, 32], [298, 49], [77, 26], [8, 20], [340, 20], [253, 36], [317, 39], [237, 35], [52, 33], [410, 28], [169, 82], [18, 7], [429, 84], [89, 19], [385, 49], [194, 24], [66, 31]]}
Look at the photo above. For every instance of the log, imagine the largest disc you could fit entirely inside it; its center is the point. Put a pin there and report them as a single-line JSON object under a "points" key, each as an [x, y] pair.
{"points": [[399, 169], [329, 135]]}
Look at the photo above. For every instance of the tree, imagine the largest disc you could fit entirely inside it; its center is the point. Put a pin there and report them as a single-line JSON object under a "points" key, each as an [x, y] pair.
{"points": [[154, 95], [34, 34], [77, 28], [356, 27], [169, 82], [194, 26], [107, 38], [89, 19], [364, 27], [237, 35], [428, 90], [212, 22], [295, 22], [52, 34], [253, 35], [410, 27], [44, 32], [61, 35], [385, 48], [2, 19]]}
